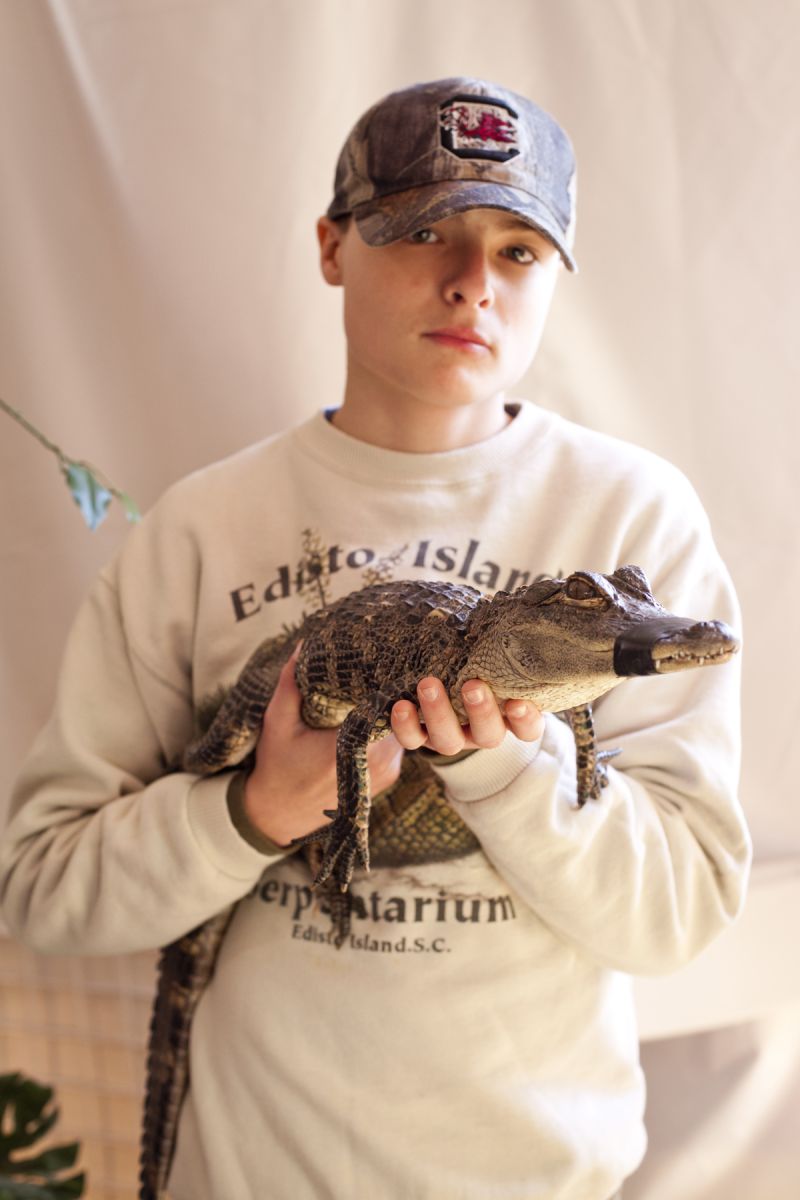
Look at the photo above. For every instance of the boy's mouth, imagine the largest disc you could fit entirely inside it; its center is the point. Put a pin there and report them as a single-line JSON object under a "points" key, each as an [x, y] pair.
{"points": [[459, 336]]}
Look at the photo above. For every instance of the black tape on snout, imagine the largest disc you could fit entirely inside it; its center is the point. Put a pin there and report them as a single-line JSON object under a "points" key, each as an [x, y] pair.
{"points": [[633, 648]]}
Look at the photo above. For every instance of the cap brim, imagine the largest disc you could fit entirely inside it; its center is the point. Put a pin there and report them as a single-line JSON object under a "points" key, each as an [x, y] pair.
{"points": [[389, 218]]}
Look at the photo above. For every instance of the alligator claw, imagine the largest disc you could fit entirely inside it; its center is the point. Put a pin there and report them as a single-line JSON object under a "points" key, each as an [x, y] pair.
{"points": [[341, 850], [600, 772]]}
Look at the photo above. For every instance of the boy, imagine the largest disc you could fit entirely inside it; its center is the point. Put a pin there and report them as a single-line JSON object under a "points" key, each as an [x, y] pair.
{"points": [[475, 1036]]}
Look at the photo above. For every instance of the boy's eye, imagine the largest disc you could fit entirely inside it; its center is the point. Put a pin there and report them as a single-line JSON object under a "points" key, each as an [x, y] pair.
{"points": [[423, 236], [521, 254]]}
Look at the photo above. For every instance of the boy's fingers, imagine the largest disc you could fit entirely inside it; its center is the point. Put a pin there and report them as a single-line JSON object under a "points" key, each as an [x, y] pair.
{"points": [[445, 734], [406, 725], [525, 720], [440, 730], [487, 728]]}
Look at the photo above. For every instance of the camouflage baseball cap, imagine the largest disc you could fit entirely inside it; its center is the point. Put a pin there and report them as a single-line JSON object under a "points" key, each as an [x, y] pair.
{"points": [[437, 149]]}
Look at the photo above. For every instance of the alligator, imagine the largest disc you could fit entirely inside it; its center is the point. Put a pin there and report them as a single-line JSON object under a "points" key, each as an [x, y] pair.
{"points": [[561, 643]]}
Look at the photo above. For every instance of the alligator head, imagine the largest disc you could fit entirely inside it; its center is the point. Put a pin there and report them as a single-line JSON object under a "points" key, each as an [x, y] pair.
{"points": [[564, 642]]}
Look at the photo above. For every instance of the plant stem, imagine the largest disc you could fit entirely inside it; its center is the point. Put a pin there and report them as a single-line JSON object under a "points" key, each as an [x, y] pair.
{"points": [[18, 417]]}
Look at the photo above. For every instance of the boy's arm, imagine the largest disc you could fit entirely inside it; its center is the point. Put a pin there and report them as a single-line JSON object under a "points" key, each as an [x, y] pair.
{"points": [[641, 879], [108, 849]]}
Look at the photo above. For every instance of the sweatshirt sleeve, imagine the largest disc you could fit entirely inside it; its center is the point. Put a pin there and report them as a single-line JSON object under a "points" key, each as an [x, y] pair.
{"points": [[643, 878], [110, 847]]}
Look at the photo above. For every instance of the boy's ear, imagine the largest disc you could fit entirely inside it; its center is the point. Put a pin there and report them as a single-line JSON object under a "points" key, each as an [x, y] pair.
{"points": [[330, 237]]}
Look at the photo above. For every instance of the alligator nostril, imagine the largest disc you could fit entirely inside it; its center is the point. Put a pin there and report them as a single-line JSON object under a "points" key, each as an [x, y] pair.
{"points": [[710, 631]]}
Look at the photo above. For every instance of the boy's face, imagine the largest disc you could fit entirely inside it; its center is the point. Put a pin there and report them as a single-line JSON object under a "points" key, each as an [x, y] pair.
{"points": [[449, 316]]}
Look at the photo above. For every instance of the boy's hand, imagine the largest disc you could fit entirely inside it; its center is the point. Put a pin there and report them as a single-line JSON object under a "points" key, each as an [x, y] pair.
{"points": [[444, 733], [294, 779]]}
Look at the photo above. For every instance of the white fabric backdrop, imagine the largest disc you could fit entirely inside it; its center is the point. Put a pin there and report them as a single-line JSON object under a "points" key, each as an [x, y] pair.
{"points": [[162, 165]]}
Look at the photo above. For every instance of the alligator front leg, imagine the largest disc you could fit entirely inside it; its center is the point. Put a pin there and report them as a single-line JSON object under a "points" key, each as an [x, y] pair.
{"points": [[346, 840], [591, 772]]}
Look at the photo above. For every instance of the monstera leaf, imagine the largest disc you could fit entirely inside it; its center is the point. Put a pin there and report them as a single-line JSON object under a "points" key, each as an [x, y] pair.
{"points": [[26, 1116]]}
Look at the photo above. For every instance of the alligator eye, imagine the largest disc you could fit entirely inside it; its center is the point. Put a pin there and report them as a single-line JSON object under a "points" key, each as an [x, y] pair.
{"points": [[579, 589], [582, 591]]}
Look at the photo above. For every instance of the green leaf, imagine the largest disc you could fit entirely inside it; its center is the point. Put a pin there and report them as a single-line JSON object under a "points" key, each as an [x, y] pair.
{"points": [[11, 1189], [25, 1117], [89, 494], [27, 1100], [56, 1158]]}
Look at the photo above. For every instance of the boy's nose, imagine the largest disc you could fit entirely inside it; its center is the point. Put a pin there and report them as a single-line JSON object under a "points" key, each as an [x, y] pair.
{"points": [[469, 281]]}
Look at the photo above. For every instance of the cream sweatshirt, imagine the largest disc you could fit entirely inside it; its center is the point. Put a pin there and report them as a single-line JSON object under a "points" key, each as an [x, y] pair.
{"points": [[475, 1038]]}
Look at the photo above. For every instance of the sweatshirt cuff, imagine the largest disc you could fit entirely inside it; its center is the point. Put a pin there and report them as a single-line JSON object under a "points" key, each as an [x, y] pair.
{"points": [[216, 834], [242, 823], [483, 801], [486, 771]]}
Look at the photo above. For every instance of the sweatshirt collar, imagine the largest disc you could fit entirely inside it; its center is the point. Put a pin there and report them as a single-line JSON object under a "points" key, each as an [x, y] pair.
{"points": [[358, 460]]}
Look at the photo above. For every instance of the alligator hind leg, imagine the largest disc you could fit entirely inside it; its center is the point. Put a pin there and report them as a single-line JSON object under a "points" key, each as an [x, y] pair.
{"points": [[592, 775], [235, 729]]}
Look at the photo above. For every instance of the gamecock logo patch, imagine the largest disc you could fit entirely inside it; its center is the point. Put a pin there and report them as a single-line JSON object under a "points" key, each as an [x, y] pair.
{"points": [[478, 127]]}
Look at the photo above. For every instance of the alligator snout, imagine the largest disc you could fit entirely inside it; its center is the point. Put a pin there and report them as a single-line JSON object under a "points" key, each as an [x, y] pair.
{"points": [[665, 644]]}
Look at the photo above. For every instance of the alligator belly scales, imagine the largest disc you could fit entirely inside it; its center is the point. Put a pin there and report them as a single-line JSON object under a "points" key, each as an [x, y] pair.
{"points": [[559, 642]]}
